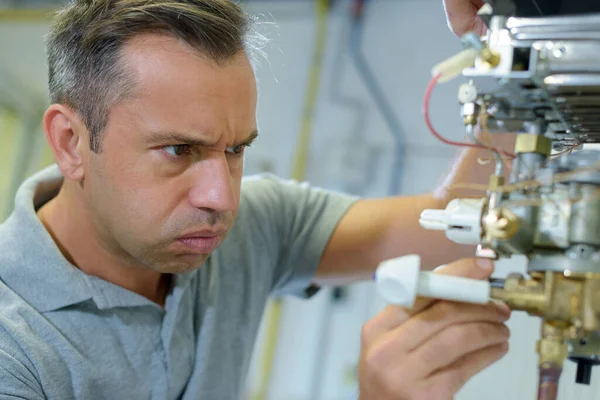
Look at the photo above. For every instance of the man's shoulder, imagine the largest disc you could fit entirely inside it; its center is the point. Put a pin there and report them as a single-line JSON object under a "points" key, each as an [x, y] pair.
{"points": [[258, 183], [19, 331], [18, 319]]}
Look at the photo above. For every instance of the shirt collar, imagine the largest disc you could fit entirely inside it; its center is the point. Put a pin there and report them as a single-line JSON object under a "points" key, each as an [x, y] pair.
{"points": [[32, 265]]}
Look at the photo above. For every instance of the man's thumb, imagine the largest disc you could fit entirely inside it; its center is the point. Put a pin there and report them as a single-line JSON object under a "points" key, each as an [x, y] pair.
{"points": [[476, 268]]}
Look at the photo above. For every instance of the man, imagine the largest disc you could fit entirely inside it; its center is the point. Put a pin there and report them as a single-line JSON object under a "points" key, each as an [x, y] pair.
{"points": [[122, 274]]}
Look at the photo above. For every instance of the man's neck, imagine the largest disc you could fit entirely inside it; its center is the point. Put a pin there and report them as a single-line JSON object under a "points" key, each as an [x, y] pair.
{"points": [[80, 244]]}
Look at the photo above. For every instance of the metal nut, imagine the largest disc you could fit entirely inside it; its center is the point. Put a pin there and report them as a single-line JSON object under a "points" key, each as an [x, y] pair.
{"points": [[552, 351], [495, 182], [501, 224], [530, 143]]}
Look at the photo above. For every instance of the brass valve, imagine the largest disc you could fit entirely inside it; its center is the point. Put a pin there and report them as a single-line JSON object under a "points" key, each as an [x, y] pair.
{"points": [[567, 303], [552, 347], [567, 299], [490, 57], [500, 224]]}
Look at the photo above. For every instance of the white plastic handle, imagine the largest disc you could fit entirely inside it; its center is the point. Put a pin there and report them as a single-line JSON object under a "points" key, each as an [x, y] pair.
{"points": [[453, 66], [400, 281]]}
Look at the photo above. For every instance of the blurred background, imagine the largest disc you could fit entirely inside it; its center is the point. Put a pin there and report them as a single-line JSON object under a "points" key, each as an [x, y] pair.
{"points": [[340, 95]]}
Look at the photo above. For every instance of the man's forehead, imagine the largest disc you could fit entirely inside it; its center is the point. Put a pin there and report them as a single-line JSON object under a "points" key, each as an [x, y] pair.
{"points": [[163, 47]]}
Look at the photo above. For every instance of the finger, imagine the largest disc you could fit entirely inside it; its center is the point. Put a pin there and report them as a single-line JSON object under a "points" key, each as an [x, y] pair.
{"points": [[477, 26], [455, 343], [456, 375], [475, 268], [461, 15], [388, 319], [394, 316], [432, 321]]}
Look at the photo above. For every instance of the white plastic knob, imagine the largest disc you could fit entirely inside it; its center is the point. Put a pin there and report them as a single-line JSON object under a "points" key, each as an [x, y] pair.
{"points": [[467, 93], [400, 281], [461, 220]]}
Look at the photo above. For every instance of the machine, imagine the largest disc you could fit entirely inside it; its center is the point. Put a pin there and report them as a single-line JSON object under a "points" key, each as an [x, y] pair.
{"points": [[538, 77]]}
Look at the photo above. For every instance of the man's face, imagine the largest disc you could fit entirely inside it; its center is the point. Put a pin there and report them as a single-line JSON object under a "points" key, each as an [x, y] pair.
{"points": [[165, 189]]}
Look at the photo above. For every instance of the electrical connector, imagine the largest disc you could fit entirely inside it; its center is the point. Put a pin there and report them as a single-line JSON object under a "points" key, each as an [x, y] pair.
{"points": [[461, 220]]}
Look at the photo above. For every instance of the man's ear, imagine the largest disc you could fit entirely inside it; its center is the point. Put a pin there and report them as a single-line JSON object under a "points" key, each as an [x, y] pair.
{"points": [[67, 137]]}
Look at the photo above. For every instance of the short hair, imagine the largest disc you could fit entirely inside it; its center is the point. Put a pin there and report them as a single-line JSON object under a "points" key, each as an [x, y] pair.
{"points": [[86, 37]]}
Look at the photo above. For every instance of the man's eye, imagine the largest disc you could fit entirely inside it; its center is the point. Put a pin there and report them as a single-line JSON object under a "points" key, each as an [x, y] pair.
{"points": [[237, 150], [177, 150]]}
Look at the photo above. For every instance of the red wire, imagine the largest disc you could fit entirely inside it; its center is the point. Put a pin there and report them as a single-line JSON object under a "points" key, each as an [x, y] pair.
{"points": [[426, 100]]}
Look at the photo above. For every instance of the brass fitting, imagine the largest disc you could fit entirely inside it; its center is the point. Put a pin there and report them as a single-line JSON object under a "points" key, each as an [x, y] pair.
{"points": [[495, 182], [567, 299], [568, 303], [523, 294], [552, 347], [500, 223], [490, 57], [470, 119], [530, 143]]}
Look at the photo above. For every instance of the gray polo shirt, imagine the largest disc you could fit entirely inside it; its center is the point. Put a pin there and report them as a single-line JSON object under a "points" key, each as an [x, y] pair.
{"points": [[68, 335]]}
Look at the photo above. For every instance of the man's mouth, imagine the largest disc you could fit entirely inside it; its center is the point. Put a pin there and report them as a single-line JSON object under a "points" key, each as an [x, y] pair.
{"points": [[203, 241]]}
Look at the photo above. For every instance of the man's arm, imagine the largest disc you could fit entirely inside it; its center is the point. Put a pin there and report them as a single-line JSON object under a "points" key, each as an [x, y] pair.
{"points": [[380, 229]]}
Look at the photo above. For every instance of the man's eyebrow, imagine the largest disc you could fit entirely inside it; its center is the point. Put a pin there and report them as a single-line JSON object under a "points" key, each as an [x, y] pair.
{"points": [[249, 140], [164, 137], [168, 137]]}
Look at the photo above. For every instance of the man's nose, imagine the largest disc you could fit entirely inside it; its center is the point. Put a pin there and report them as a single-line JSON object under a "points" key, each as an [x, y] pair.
{"points": [[213, 187]]}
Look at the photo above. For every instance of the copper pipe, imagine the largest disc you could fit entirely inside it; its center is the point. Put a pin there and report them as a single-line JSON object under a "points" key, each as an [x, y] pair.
{"points": [[548, 381]]}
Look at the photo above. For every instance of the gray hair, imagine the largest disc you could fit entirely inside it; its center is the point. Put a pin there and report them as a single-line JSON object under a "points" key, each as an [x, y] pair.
{"points": [[85, 40]]}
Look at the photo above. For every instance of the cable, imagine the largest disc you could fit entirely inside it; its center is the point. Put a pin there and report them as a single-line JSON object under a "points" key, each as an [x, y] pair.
{"points": [[426, 102], [530, 184], [567, 150]]}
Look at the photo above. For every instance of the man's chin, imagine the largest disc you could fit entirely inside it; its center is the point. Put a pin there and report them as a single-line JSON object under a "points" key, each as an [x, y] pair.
{"points": [[180, 264]]}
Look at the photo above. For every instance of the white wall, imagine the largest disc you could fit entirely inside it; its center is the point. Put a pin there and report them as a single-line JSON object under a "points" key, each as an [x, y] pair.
{"points": [[403, 38]]}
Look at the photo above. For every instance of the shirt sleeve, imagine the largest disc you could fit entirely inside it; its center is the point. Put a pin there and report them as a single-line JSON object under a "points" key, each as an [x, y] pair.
{"points": [[16, 380], [295, 222]]}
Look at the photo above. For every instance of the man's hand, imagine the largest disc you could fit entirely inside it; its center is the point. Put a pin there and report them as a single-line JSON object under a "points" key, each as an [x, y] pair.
{"points": [[432, 350], [462, 16]]}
